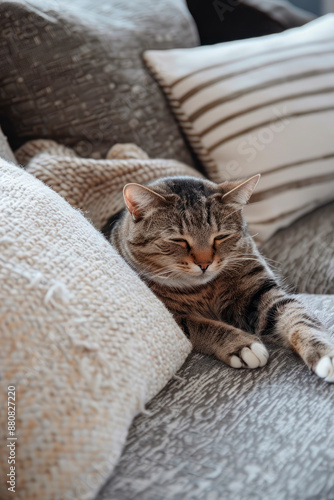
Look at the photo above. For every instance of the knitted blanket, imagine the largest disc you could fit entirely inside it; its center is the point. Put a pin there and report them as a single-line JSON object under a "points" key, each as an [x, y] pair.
{"points": [[95, 186]]}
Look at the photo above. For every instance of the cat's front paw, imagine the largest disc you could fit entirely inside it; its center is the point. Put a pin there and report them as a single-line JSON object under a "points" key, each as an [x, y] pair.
{"points": [[254, 356], [325, 368], [319, 356]]}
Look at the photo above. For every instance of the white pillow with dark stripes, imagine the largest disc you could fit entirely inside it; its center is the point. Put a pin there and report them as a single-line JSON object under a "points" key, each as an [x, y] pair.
{"points": [[264, 105]]}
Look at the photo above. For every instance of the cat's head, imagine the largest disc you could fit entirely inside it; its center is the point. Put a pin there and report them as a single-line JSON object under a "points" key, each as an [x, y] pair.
{"points": [[183, 231]]}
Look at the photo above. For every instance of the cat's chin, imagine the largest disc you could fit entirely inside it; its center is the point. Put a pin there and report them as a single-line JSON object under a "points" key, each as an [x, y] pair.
{"points": [[187, 280]]}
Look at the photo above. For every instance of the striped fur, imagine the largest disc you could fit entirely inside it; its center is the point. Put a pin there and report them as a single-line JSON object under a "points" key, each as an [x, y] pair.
{"points": [[213, 279]]}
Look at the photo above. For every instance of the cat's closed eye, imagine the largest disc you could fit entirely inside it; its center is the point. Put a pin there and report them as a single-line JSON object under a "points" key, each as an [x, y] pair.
{"points": [[221, 237], [181, 241], [185, 244]]}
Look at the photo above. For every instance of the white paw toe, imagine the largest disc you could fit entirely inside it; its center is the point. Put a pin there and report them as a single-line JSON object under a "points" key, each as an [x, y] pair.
{"points": [[260, 352], [325, 368], [255, 356], [249, 358], [235, 362]]}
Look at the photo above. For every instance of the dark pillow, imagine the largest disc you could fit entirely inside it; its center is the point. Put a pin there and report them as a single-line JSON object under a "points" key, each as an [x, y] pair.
{"points": [[73, 72], [226, 20]]}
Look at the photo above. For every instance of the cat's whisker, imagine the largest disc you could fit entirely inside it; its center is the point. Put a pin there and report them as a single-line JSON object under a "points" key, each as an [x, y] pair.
{"points": [[229, 215], [242, 259], [163, 275], [270, 260], [150, 270]]}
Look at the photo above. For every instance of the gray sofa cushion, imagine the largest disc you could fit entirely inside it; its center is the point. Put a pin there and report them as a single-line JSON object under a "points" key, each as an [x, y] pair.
{"points": [[5, 151], [226, 434], [304, 252], [73, 72]]}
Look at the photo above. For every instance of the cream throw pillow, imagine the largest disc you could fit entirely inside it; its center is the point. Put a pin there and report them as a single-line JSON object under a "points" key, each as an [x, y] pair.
{"points": [[263, 105], [85, 343]]}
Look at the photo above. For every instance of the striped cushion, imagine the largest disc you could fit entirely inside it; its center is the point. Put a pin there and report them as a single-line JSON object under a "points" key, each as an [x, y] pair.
{"points": [[262, 105]]}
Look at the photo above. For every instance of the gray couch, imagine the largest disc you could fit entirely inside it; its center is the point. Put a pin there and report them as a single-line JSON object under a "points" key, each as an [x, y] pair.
{"points": [[216, 433], [213, 433]]}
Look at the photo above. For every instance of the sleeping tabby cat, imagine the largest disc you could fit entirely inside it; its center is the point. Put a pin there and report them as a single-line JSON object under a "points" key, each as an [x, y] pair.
{"points": [[188, 240]]}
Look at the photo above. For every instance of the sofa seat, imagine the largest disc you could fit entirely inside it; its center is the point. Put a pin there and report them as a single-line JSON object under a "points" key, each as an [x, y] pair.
{"points": [[221, 434], [303, 253]]}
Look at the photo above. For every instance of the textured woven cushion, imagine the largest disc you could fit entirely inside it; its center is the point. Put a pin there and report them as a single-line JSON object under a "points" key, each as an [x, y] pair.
{"points": [[83, 340], [217, 433], [262, 105], [73, 72]]}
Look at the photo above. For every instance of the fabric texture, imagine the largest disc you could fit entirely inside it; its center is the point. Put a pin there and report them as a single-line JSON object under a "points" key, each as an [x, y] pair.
{"points": [[217, 433], [85, 343], [5, 151], [221, 21], [303, 253], [260, 106], [95, 186], [73, 72]]}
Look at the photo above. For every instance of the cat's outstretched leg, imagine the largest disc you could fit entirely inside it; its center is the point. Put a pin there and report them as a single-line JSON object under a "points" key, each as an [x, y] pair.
{"points": [[306, 335], [283, 317], [235, 347]]}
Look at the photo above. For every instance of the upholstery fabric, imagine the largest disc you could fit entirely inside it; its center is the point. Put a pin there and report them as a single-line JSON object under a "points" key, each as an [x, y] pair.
{"points": [[216, 433], [265, 106], [230, 20], [303, 253], [73, 72], [5, 151], [83, 340]]}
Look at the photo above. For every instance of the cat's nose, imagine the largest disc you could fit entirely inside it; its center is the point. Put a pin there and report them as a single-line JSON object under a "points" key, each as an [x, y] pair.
{"points": [[203, 265]]}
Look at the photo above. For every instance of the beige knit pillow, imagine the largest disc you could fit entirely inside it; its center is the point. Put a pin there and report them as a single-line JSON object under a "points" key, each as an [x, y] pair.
{"points": [[264, 105], [83, 341]]}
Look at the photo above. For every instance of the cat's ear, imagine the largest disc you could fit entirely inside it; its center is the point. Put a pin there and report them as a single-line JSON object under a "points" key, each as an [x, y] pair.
{"points": [[139, 199], [240, 191]]}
